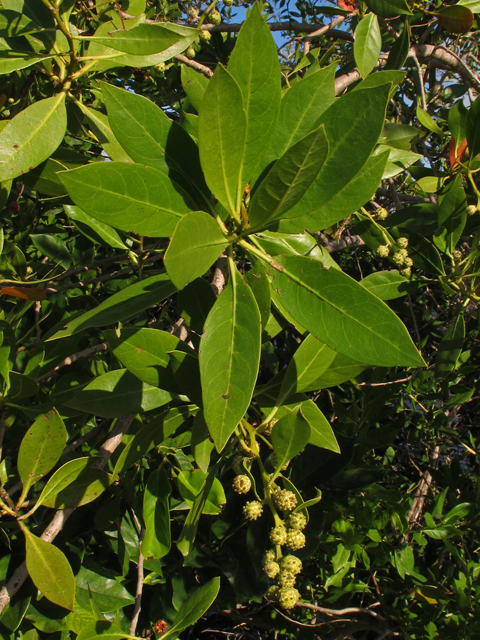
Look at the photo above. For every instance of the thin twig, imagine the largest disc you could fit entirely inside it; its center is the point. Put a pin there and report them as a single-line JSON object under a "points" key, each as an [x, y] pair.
{"points": [[383, 384], [341, 612], [3, 417], [104, 346], [138, 593], [201, 68], [322, 30], [394, 194]]}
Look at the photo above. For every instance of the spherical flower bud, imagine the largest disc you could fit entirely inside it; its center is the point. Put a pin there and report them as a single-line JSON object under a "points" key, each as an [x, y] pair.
{"points": [[237, 465], [286, 579], [381, 213], [288, 597], [284, 499], [269, 556], [402, 243], [190, 52], [457, 255], [291, 564], [295, 539], [472, 209], [214, 17], [228, 3], [253, 510], [192, 13], [399, 257], [408, 263], [383, 250], [406, 273], [273, 592], [278, 535], [242, 484], [160, 67], [205, 35], [297, 521], [272, 569]]}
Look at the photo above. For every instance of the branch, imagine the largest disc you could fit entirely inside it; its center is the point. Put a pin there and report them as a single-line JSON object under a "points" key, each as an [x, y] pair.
{"points": [[104, 346], [62, 515], [445, 59], [194, 65], [138, 593], [300, 27], [405, 198], [340, 612], [220, 275], [422, 490]]}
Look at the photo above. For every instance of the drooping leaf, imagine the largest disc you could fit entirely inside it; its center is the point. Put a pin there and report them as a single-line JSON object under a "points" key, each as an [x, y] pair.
{"points": [[50, 571], [99, 125], [202, 446], [53, 248], [341, 313], [194, 84], [32, 136], [342, 369], [194, 303], [222, 130], [399, 52], [76, 483], [10, 63], [368, 44], [94, 229], [428, 122], [99, 583], [116, 394], [229, 358], [321, 433], [452, 216], [187, 375], [290, 435], [456, 18], [257, 280], [386, 285], [123, 305], [41, 448], [254, 65], [156, 515], [142, 40], [130, 197], [289, 179], [196, 243]]}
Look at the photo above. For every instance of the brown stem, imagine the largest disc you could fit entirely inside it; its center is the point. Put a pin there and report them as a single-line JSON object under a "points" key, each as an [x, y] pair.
{"points": [[104, 346], [138, 593]]}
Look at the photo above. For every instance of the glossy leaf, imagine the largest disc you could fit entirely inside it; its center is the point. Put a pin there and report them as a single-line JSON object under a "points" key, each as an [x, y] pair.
{"points": [[289, 179], [428, 122], [123, 305], [368, 44], [194, 303], [41, 448], [456, 19], [196, 243], [187, 375], [99, 124], [386, 285], [142, 40], [452, 216], [156, 516], [350, 144], [94, 229], [321, 433], [310, 360], [99, 583], [116, 394], [194, 84], [222, 130], [130, 197], [190, 484], [389, 8], [9, 64], [450, 347], [341, 313], [399, 52], [229, 358], [53, 248], [151, 138], [50, 571], [257, 280], [254, 65], [202, 446], [76, 483], [473, 129], [32, 136], [290, 435]]}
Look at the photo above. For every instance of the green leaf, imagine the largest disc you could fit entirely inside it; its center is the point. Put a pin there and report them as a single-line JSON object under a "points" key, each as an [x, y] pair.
{"points": [[156, 515], [196, 243], [456, 18], [222, 130], [194, 84], [289, 178], [53, 248], [50, 571], [290, 435], [94, 229], [310, 360], [202, 446], [21, 386], [194, 608], [194, 303], [254, 65], [144, 353], [450, 347], [103, 133], [76, 483], [229, 358], [302, 106], [257, 280], [423, 253], [151, 435], [32, 136], [452, 216], [102, 631], [389, 8], [473, 5], [350, 198], [142, 40], [428, 122], [341, 313], [399, 52], [473, 129], [116, 394], [187, 374], [386, 285], [457, 122], [40, 449], [190, 484], [130, 197], [368, 44], [321, 433], [342, 369], [9, 63], [350, 146], [124, 305], [108, 593], [151, 138], [13, 24]]}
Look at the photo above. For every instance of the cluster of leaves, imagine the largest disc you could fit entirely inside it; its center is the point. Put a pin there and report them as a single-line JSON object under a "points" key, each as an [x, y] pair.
{"points": [[193, 371]]}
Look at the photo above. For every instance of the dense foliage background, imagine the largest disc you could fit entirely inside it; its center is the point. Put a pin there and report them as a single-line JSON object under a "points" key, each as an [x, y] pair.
{"points": [[346, 148]]}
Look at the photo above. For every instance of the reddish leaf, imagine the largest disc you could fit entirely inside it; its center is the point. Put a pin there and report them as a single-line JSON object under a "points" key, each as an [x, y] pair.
{"points": [[348, 5], [460, 152], [456, 19], [24, 293]]}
